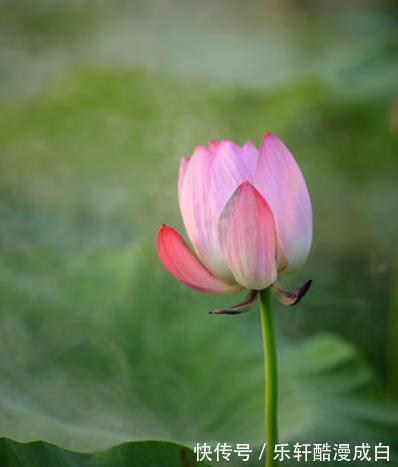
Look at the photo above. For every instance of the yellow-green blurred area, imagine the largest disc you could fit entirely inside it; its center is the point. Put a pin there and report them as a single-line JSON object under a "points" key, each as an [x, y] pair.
{"points": [[99, 100]]}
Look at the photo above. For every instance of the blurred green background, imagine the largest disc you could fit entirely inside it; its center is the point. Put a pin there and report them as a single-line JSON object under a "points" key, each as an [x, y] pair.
{"points": [[99, 101]]}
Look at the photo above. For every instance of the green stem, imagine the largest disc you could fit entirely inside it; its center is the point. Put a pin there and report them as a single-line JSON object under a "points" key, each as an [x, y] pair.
{"points": [[271, 376]]}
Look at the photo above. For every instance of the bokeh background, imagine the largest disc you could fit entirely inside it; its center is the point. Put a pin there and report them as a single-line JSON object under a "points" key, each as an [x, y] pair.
{"points": [[99, 100]]}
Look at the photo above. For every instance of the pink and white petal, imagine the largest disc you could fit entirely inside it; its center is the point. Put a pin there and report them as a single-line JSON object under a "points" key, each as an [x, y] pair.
{"points": [[250, 150], [280, 181], [210, 180], [178, 259], [212, 145], [230, 167], [181, 173], [197, 211], [248, 238]]}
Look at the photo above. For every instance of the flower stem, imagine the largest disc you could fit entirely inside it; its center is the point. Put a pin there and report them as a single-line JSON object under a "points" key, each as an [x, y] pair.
{"points": [[271, 376]]}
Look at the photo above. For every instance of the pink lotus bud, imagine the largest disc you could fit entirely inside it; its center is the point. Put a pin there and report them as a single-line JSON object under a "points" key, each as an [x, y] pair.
{"points": [[247, 213]]}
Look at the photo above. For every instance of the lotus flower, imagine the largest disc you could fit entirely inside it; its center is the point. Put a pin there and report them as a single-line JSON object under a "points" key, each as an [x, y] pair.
{"points": [[247, 213]]}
